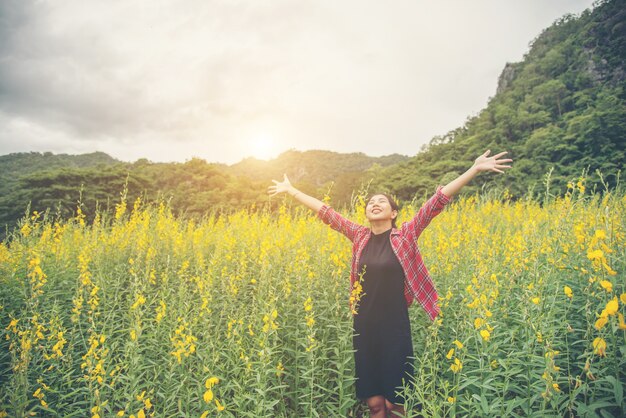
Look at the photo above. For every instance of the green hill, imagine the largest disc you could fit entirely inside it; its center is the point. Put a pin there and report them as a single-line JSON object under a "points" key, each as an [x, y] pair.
{"points": [[58, 182]]}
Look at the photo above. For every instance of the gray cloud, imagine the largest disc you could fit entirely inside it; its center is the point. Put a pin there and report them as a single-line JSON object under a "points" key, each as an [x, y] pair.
{"points": [[170, 80]]}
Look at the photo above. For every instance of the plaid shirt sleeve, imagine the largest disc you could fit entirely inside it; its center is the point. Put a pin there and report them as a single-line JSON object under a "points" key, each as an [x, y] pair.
{"points": [[427, 212], [337, 222]]}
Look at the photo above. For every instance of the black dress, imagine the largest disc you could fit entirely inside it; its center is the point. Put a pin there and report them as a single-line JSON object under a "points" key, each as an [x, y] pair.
{"points": [[382, 331]]}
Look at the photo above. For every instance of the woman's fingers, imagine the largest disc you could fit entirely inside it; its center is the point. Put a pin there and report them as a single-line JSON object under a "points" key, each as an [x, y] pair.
{"points": [[500, 154]]}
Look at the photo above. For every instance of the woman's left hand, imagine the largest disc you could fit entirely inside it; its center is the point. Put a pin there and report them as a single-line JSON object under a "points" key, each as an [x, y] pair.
{"points": [[484, 163]]}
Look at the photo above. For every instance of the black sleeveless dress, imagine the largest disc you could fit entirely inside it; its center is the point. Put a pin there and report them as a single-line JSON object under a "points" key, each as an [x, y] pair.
{"points": [[382, 331]]}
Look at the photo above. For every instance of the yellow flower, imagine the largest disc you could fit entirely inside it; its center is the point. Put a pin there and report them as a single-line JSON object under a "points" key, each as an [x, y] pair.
{"points": [[160, 311], [121, 413], [210, 382], [568, 291], [450, 354], [458, 344], [478, 322], [13, 323], [599, 346], [601, 322], [622, 297], [204, 414], [485, 334], [451, 399], [622, 325], [219, 406], [555, 386], [140, 300], [141, 414], [279, 369], [457, 366], [607, 285], [600, 234], [612, 306], [609, 270], [535, 300], [595, 255], [208, 396]]}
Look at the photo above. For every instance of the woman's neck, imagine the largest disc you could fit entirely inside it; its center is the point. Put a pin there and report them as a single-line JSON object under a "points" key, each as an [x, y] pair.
{"points": [[378, 227]]}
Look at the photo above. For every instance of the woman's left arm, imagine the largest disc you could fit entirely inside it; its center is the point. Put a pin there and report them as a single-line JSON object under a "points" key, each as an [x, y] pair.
{"points": [[482, 163]]}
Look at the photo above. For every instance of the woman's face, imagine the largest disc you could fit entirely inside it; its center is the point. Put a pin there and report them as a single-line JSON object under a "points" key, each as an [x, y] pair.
{"points": [[378, 208]]}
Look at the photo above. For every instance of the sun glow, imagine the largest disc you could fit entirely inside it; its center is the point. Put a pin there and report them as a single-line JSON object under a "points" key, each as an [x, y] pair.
{"points": [[262, 147]]}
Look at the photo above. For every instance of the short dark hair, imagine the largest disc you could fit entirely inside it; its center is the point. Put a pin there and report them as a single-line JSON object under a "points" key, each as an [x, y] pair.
{"points": [[392, 203]]}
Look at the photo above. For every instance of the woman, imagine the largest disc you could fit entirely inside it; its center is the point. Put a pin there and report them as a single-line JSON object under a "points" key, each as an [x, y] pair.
{"points": [[388, 263]]}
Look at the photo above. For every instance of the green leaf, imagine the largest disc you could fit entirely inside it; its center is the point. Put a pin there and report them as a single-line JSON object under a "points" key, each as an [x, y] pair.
{"points": [[618, 390]]}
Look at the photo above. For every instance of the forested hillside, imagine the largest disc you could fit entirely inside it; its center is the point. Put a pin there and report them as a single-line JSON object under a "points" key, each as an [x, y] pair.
{"points": [[562, 107], [194, 188]]}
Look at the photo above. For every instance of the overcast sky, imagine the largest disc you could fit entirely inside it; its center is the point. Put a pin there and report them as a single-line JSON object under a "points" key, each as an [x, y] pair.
{"points": [[223, 80]]}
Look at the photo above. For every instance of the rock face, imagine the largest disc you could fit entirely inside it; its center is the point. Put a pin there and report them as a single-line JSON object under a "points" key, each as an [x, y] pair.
{"points": [[595, 70], [506, 77], [599, 69]]}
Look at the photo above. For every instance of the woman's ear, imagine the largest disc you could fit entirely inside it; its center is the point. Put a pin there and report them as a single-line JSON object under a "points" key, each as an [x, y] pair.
{"points": [[394, 214]]}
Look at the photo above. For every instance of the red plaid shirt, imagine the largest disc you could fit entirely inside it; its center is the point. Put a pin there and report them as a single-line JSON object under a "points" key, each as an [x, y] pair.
{"points": [[418, 284]]}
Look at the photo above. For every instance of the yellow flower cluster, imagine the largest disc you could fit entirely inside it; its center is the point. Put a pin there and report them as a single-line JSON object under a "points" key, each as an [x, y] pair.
{"points": [[160, 311], [183, 340], [269, 321], [456, 365], [308, 306], [597, 255], [356, 293], [93, 359], [550, 374], [36, 275], [209, 396]]}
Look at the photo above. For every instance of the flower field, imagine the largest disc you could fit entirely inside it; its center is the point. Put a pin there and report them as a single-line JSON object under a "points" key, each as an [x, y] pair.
{"points": [[143, 313]]}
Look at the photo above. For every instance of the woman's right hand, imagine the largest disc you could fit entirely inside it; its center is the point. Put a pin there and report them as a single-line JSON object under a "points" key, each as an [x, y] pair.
{"points": [[280, 187]]}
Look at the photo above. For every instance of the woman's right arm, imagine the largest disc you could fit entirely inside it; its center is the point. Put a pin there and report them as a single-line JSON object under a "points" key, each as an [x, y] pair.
{"points": [[324, 212], [286, 187]]}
